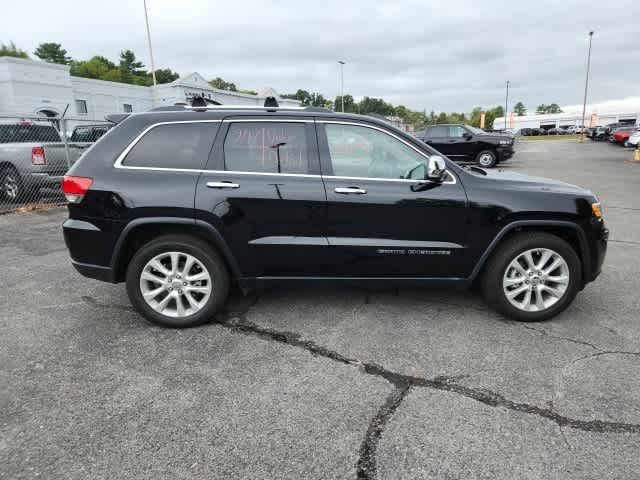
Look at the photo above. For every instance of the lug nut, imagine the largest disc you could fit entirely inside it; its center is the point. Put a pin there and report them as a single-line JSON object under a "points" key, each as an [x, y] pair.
{"points": [[177, 276], [184, 283], [180, 292]]}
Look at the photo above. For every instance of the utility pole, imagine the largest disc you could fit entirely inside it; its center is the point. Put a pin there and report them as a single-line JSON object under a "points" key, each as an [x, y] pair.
{"points": [[506, 104], [153, 68], [586, 86], [342, 82]]}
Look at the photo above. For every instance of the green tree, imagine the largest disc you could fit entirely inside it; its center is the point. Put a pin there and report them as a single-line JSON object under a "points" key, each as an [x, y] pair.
{"points": [[376, 105], [442, 118], [221, 84], [551, 108], [554, 108], [53, 53], [129, 65], [96, 67], [302, 96], [166, 75], [349, 104], [520, 109], [11, 50]]}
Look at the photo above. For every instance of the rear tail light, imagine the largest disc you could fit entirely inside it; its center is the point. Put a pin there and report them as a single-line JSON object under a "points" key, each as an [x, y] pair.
{"points": [[75, 188], [37, 156]]}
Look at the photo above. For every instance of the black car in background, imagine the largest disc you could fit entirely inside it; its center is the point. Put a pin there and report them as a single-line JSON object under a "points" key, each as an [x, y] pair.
{"points": [[184, 204], [464, 143]]}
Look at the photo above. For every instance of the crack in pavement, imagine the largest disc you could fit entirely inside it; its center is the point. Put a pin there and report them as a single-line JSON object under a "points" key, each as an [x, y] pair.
{"points": [[235, 320], [366, 466]]}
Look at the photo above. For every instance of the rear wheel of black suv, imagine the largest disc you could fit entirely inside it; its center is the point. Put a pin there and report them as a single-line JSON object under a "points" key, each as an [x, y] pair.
{"points": [[487, 159], [177, 281], [532, 277]]}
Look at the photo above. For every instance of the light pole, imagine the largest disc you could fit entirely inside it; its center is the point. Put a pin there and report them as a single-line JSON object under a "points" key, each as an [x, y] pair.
{"points": [[342, 83], [153, 68], [586, 86], [506, 103]]}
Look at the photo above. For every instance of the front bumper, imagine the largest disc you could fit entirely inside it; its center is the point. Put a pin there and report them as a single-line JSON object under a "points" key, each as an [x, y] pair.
{"points": [[599, 251], [505, 152]]}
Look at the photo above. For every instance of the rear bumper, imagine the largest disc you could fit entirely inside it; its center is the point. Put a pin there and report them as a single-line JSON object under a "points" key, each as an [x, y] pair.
{"points": [[42, 179], [90, 255], [96, 272]]}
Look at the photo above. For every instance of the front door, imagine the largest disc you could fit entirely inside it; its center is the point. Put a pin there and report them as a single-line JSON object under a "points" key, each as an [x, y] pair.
{"points": [[263, 191], [382, 220]]}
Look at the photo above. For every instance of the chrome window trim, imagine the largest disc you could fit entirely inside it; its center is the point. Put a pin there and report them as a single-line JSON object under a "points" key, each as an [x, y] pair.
{"points": [[373, 127], [121, 157]]}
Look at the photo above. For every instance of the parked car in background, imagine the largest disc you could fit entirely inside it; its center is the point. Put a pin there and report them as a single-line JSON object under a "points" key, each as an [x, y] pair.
{"points": [[469, 144], [89, 133], [633, 140], [32, 156], [558, 131], [621, 134]]}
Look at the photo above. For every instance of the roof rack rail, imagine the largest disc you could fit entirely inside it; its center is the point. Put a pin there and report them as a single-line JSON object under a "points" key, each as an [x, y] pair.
{"points": [[241, 107]]}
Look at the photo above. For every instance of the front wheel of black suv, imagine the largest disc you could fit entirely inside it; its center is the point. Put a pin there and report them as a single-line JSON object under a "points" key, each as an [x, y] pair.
{"points": [[177, 281], [532, 277], [487, 159]]}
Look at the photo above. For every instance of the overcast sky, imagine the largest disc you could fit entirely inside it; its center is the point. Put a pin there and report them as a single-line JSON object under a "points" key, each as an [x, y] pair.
{"points": [[439, 55]]}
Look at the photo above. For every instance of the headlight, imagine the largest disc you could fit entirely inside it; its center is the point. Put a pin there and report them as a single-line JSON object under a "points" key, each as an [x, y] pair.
{"points": [[596, 210], [505, 142]]}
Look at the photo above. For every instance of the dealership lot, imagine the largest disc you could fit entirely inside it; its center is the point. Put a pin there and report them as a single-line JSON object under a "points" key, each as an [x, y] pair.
{"points": [[325, 382]]}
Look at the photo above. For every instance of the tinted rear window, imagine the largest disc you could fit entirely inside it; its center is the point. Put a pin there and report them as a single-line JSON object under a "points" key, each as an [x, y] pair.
{"points": [[28, 134], [179, 145]]}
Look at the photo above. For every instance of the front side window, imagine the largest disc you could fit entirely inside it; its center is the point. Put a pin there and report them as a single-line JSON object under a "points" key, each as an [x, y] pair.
{"points": [[456, 131], [267, 147], [358, 151], [178, 145], [127, 108]]}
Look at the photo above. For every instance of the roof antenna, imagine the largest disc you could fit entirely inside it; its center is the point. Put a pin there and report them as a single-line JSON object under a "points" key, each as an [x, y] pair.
{"points": [[271, 102]]}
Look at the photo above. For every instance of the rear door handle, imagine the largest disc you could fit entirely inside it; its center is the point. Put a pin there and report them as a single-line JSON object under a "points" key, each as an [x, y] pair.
{"points": [[224, 184], [350, 190]]}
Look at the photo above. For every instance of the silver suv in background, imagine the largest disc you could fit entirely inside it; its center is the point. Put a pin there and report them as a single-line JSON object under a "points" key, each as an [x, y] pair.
{"points": [[33, 156]]}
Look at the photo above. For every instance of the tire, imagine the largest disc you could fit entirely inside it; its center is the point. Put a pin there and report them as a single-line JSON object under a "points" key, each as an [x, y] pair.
{"points": [[487, 159], [499, 270], [11, 185], [206, 262]]}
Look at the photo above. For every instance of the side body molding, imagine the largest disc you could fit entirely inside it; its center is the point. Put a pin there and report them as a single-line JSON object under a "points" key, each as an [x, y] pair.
{"points": [[214, 235], [584, 253]]}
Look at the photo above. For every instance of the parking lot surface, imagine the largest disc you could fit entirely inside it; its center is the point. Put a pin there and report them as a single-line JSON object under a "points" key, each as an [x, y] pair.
{"points": [[321, 382]]}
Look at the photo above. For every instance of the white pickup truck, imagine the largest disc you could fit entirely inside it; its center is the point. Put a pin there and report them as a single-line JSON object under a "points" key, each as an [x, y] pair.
{"points": [[32, 156]]}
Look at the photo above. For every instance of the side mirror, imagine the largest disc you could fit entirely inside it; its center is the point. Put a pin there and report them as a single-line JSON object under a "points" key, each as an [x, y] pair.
{"points": [[467, 136], [436, 168]]}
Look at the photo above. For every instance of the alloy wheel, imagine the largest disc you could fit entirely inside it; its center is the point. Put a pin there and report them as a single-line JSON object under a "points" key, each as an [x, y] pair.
{"points": [[536, 280], [175, 284], [10, 186]]}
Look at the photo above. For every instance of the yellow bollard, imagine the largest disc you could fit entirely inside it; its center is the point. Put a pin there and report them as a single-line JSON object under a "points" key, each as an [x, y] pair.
{"points": [[636, 155]]}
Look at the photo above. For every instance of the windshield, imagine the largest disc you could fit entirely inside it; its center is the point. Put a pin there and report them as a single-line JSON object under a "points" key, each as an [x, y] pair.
{"points": [[474, 129]]}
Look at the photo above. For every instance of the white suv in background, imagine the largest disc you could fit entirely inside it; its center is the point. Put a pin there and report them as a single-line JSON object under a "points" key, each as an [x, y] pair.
{"points": [[633, 140]]}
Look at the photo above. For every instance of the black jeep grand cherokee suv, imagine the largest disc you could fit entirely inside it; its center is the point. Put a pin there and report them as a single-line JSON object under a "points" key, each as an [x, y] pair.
{"points": [[181, 204], [469, 144]]}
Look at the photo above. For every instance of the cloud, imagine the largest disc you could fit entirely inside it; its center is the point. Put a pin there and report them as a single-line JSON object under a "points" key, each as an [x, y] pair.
{"points": [[425, 55]]}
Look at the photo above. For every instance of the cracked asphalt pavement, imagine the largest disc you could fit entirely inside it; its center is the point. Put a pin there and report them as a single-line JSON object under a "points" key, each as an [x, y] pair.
{"points": [[325, 382]]}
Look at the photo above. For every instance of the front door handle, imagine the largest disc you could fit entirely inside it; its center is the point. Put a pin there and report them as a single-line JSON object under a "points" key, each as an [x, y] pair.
{"points": [[224, 184], [350, 190]]}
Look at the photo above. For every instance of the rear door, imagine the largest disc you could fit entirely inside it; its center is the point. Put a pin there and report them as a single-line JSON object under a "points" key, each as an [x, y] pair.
{"points": [[380, 222], [263, 191]]}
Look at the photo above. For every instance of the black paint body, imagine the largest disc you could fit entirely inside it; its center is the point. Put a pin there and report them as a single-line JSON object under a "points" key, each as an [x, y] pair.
{"points": [[277, 227]]}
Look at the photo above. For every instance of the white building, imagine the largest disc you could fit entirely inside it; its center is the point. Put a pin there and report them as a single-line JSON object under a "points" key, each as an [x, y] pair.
{"points": [[626, 110], [29, 87]]}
